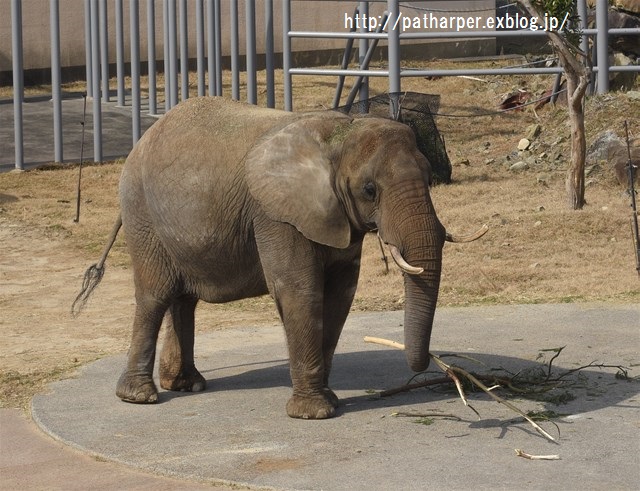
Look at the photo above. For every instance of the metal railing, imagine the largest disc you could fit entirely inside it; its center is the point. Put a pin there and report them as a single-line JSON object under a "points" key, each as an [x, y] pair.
{"points": [[393, 36], [174, 37]]}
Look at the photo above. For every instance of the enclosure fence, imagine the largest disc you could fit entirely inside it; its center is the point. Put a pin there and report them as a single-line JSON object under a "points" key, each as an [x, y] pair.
{"points": [[174, 38]]}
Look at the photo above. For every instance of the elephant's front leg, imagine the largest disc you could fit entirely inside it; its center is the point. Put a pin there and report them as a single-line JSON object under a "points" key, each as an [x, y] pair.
{"points": [[301, 314], [341, 281], [294, 274]]}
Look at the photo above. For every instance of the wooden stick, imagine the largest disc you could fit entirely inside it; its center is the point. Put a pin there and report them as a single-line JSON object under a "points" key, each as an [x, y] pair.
{"points": [[453, 371], [525, 455]]}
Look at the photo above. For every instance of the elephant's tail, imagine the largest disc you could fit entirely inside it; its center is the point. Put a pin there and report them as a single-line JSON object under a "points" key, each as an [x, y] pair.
{"points": [[94, 274]]}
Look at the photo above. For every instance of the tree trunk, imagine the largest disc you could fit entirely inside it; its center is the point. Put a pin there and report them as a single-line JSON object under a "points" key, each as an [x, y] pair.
{"points": [[575, 182], [577, 75]]}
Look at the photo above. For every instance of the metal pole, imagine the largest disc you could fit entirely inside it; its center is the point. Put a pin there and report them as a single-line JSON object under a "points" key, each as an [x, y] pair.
{"points": [[104, 49], [18, 80], [95, 77], [363, 49], [252, 83], [269, 55], [584, 42], [393, 36], [235, 41], [200, 46], [87, 45], [134, 18], [184, 50], [218, 46], [120, 53], [286, 54], [167, 64], [56, 90], [345, 62], [211, 47], [173, 54], [151, 56], [602, 42]]}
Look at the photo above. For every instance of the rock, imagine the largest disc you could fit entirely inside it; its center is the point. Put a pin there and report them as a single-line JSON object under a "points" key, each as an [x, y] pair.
{"points": [[540, 208], [621, 80], [533, 131], [463, 162], [610, 150], [634, 94], [523, 144], [489, 161], [542, 179], [543, 155], [519, 166]]}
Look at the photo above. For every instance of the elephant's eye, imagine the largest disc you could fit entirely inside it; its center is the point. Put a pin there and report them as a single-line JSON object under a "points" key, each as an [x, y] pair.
{"points": [[369, 190]]}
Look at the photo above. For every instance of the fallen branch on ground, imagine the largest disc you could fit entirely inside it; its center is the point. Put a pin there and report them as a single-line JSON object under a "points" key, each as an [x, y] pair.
{"points": [[453, 371], [525, 455]]}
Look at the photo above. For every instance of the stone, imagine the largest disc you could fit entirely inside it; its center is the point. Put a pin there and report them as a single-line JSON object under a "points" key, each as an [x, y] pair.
{"points": [[533, 131], [523, 144], [519, 166]]}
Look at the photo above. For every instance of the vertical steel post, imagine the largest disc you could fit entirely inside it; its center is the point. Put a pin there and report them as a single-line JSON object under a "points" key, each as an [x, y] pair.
{"points": [[211, 47], [393, 37], [602, 45], [235, 41], [286, 54], [95, 78], [134, 17], [173, 54], [56, 89], [167, 63], [584, 42], [184, 50], [151, 56], [87, 46], [252, 83], [269, 55], [200, 46], [120, 53], [363, 48], [104, 49], [18, 81], [218, 46]]}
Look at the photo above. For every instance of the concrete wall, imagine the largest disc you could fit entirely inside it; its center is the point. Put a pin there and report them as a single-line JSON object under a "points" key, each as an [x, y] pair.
{"points": [[306, 15]]}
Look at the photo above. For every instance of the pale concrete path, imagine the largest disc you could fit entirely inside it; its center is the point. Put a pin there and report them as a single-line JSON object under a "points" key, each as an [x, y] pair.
{"points": [[237, 431]]}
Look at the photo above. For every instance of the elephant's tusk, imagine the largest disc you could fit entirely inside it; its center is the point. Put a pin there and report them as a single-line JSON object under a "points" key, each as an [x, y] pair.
{"points": [[402, 264], [467, 238]]}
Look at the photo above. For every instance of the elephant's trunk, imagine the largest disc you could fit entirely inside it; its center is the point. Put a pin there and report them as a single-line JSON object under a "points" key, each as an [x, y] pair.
{"points": [[410, 224]]}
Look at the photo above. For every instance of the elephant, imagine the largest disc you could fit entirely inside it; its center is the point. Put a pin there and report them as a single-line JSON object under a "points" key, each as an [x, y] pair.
{"points": [[221, 200]]}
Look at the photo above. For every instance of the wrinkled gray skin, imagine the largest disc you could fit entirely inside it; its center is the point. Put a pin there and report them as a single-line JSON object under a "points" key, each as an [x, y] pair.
{"points": [[222, 201]]}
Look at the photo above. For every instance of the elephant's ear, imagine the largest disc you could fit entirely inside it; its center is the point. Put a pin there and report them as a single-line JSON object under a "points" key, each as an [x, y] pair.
{"points": [[290, 175]]}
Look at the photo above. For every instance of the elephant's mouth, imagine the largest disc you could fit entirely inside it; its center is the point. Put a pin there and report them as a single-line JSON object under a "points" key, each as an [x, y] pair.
{"points": [[400, 261]]}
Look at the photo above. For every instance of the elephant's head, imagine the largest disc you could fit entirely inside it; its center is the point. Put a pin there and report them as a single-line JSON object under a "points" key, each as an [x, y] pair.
{"points": [[335, 178]]}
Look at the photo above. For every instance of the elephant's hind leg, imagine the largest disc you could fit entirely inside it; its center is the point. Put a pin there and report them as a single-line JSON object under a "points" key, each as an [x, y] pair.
{"points": [[177, 367], [136, 383]]}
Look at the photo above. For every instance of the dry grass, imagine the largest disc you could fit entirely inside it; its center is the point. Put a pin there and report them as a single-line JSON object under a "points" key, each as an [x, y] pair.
{"points": [[536, 251]]}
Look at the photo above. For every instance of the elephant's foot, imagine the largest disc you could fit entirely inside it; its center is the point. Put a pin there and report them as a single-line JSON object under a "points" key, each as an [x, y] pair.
{"points": [[331, 397], [187, 380], [311, 407], [138, 389]]}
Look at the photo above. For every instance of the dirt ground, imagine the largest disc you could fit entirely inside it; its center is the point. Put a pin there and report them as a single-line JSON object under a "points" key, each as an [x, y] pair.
{"points": [[536, 249]]}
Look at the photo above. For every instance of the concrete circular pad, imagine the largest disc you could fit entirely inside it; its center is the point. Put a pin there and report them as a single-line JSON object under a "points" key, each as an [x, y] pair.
{"points": [[237, 431]]}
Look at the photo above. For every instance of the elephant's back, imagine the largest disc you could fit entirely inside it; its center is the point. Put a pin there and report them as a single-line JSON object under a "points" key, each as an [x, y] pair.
{"points": [[184, 180]]}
